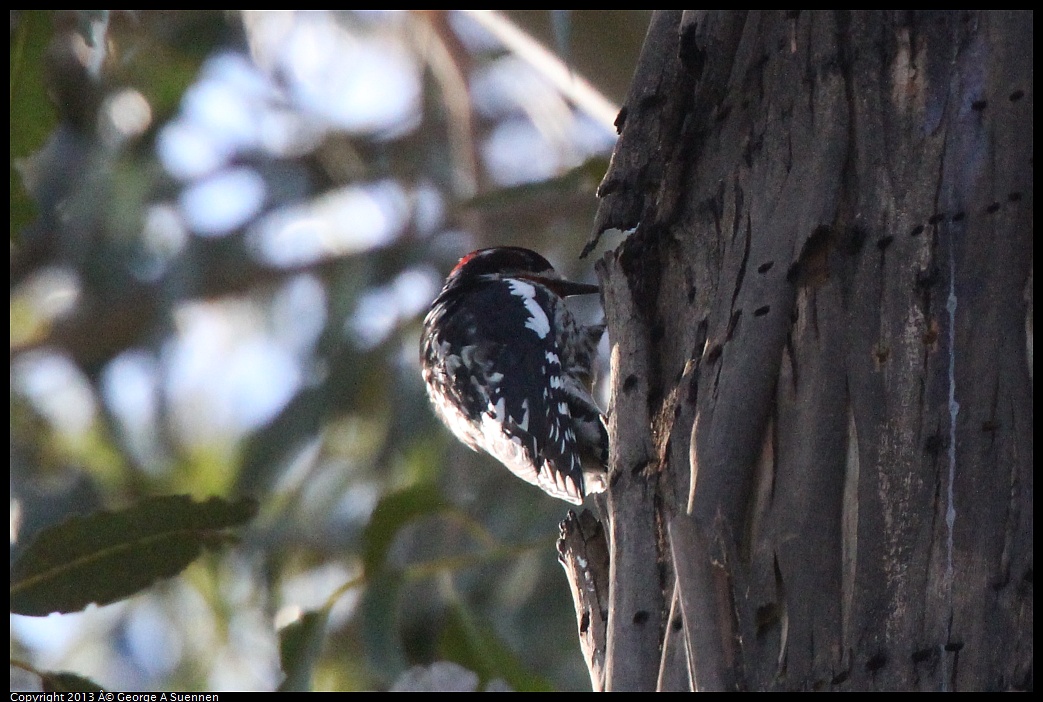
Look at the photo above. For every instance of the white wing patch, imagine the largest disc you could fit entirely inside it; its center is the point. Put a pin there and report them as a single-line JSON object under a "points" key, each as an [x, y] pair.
{"points": [[537, 320]]}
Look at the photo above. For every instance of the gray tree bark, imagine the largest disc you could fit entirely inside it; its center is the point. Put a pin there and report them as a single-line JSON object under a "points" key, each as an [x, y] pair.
{"points": [[821, 328]]}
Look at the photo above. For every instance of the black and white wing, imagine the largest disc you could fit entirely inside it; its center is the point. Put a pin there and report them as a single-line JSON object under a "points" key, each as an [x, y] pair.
{"points": [[494, 373]]}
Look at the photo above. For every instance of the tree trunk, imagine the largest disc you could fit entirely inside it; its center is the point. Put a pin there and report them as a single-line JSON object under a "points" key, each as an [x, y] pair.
{"points": [[821, 328]]}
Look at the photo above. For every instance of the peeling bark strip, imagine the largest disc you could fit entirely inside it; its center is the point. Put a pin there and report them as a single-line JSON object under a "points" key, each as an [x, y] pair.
{"points": [[821, 330], [583, 553], [637, 606]]}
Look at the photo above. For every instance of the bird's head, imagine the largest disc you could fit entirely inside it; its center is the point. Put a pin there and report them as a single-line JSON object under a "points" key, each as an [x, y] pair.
{"points": [[514, 262]]}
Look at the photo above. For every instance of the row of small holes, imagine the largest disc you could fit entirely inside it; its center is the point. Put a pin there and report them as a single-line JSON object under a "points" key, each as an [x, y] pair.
{"points": [[992, 208], [886, 241], [982, 104]]}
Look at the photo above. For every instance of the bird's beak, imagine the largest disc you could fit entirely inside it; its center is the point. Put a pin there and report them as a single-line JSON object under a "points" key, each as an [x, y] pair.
{"points": [[564, 288]]}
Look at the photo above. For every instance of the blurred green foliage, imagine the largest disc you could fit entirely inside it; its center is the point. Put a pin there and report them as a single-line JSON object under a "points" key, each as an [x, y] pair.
{"points": [[108, 556], [158, 349]]}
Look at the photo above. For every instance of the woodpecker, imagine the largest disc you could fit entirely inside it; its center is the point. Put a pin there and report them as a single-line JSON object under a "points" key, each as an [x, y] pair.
{"points": [[508, 367]]}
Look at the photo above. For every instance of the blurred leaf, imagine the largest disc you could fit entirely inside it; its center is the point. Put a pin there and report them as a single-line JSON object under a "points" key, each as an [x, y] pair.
{"points": [[32, 114], [476, 647], [107, 556], [584, 178], [68, 682], [378, 614], [300, 645], [392, 513], [168, 50], [268, 450]]}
